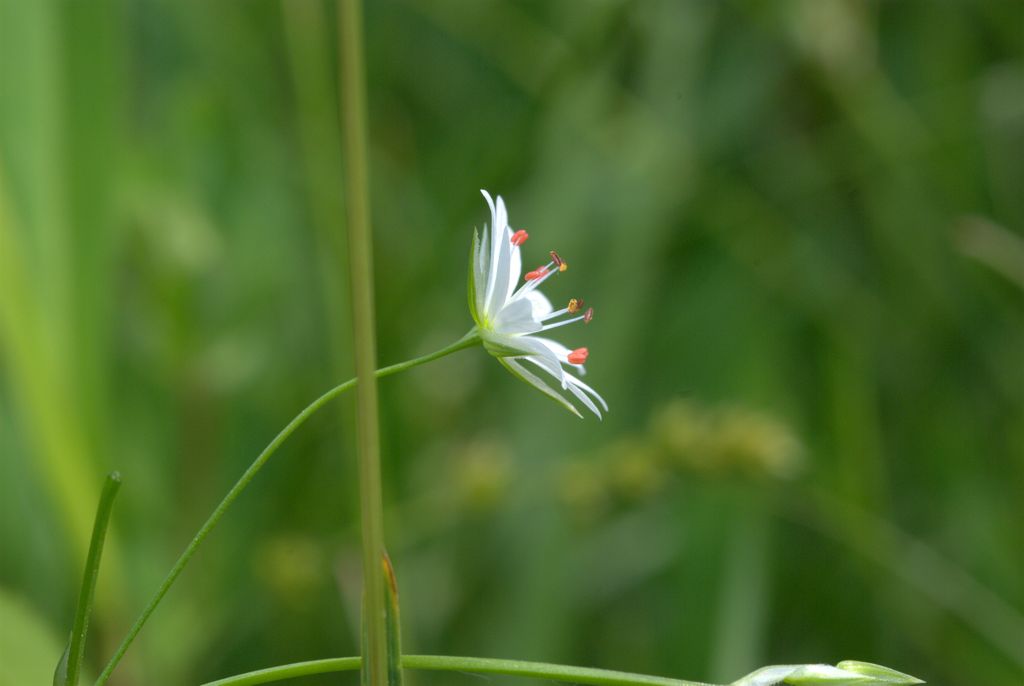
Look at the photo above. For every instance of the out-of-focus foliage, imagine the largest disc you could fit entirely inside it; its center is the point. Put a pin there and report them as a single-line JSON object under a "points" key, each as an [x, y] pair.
{"points": [[800, 224], [26, 644]]}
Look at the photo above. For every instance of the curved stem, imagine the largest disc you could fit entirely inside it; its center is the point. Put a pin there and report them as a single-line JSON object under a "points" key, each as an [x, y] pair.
{"points": [[466, 341], [476, 665]]}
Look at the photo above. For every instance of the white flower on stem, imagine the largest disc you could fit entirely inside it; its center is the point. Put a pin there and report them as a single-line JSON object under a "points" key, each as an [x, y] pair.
{"points": [[846, 673], [509, 316]]}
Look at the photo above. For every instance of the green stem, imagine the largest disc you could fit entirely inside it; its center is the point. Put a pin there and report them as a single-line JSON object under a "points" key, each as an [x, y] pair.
{"points": [[476, 665], [466, 341], [76, 649], [352, 86]]}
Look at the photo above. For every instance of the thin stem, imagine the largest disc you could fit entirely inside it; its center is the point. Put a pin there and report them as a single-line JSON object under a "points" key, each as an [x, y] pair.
{"points": [[476, 665], [76, 649], [466, 341], [360, 245]]}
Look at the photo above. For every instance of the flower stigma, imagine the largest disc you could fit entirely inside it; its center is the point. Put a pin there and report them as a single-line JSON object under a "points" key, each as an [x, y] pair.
{"points": [[578, 356]]}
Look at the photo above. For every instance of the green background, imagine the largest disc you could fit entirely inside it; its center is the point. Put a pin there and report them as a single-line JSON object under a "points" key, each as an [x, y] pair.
{"points": [[799, 223]]}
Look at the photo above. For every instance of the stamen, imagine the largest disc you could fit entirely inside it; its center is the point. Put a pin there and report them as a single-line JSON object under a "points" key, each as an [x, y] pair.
{"points": [[562, 264], [555, 325], [578, 356], [556, 313], [536, 273], [588, 315], [545, 273], [575, 305], [519, 237]]}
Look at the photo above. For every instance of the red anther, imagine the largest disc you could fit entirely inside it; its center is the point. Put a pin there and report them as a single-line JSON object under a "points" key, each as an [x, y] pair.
{"points": [[519, 237], [588, 315], [536, 273], [578, 356]]}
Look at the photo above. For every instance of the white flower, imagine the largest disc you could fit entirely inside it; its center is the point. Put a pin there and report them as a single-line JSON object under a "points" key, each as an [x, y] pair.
{"points": [[508, 318]]}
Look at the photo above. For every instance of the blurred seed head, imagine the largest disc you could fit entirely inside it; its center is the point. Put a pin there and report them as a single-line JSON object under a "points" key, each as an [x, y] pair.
{"points": [[730, 439], [684, 438], [179, 235], [681, 430], [583, 488], [754, 443], [836, 35], [636, 472], [483, 473], [291, 567]]}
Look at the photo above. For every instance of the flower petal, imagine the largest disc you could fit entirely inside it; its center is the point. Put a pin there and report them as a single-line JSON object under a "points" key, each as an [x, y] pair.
{"points": [[515, 268], [573, 381], [516, 318], [541, 305], [532, 348], [561, 352], [501, 257], [529, 377], [583, 398], [580, 395], [515, 260]]}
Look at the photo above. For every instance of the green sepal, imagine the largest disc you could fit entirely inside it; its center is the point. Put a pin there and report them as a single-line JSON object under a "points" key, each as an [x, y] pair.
{"points": [[500, 350], [472, 278]]}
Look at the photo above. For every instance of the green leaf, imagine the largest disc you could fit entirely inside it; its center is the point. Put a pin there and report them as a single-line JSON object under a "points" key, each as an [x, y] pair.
{"points": [[392, 624], [70, 664], [392, 627], [60, 675]]}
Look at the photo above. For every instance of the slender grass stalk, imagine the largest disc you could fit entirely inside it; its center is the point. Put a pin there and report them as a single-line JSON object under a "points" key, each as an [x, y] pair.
{"points": [[466, 341], [475, 665], [352, 87], [76, 648]]}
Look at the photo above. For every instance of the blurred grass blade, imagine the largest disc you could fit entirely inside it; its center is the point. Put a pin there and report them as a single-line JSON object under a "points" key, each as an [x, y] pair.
{"points": [[352, 84], [992, 245], [70, 664]]}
